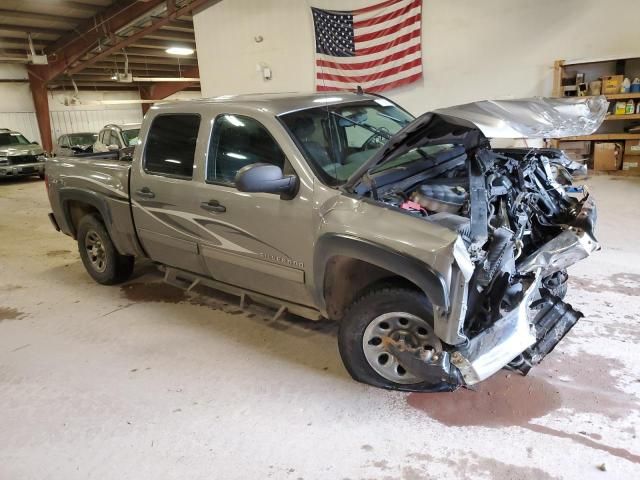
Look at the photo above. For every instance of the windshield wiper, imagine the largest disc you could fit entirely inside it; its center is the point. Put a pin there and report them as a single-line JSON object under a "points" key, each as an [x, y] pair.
{"points": [[371, 128]]}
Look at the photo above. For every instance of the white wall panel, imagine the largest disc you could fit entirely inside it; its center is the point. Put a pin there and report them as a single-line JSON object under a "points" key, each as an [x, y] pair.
{"points": [[23, 122], [472, 49], [70, 121]]}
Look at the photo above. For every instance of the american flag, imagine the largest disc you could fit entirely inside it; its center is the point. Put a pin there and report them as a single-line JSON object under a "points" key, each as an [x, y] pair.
{"points": [[376, 47]]}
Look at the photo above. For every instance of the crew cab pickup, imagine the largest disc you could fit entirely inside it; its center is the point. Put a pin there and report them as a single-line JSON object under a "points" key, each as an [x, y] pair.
{"points": [[444, 260]]}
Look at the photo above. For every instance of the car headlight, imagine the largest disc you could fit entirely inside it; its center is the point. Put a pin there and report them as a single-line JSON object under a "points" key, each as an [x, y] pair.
{"points": [[4, 161], [41, 158]]}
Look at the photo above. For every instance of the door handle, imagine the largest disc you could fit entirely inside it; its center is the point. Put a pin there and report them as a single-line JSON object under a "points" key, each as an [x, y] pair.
{"points": [[145, 192], [213, 206]]}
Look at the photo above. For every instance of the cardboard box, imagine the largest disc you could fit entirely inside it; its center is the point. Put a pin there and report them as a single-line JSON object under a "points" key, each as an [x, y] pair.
{"points": [[611, 84], [607, 156], [632, 147], [631, 163]]}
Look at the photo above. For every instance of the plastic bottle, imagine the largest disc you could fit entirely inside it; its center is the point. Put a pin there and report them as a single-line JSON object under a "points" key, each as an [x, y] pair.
{"points": [[631, 107], [626, 86]]}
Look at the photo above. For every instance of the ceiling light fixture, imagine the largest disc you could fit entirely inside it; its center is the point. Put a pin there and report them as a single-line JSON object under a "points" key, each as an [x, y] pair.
{"points": [[179, 51]]}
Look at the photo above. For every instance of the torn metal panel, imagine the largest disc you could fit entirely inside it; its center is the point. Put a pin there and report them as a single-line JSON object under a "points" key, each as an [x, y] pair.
{"points": [[533, 117]]}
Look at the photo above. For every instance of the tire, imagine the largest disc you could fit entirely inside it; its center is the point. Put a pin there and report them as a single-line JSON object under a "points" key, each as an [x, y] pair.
{"points": [[368, 309], [99, 256]]}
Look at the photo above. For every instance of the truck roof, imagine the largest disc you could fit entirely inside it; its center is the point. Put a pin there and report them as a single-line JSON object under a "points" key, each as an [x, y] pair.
{"points": [[277, 103]]}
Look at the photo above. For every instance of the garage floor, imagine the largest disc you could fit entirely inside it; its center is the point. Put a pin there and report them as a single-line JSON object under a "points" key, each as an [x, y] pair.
{"points": [[145, 381]]}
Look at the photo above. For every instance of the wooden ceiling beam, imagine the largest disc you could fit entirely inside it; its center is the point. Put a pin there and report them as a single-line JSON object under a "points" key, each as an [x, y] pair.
{"points": [[37, 17], [153, 28], [71, 47]]}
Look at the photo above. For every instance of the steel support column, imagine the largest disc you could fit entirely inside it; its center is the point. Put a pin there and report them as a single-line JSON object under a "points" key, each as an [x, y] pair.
{"points": [[39, 93]]}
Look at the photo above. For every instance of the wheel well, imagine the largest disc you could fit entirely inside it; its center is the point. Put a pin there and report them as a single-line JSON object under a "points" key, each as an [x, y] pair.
{"points": [[345, 278], [76, 210]]}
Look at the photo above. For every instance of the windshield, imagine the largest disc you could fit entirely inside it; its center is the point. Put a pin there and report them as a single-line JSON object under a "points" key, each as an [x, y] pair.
{"points": [[131, 136], [82, 138], [338, 139], [13, 139]]}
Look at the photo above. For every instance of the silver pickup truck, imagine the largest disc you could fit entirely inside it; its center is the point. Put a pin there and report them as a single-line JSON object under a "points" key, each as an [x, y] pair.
{"points": [[444, 260]]}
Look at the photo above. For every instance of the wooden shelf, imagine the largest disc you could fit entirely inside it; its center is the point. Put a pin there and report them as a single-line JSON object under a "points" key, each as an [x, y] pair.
{"points": [[604, 136], [622, 96], [634, 116]]}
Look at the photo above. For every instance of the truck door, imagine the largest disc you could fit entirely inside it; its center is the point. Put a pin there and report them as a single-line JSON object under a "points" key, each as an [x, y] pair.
{"points": [[162, 193], [259, 241]]}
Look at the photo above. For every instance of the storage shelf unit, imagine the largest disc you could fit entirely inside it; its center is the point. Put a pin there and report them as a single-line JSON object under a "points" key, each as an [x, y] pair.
{"points": [[615, 128]]}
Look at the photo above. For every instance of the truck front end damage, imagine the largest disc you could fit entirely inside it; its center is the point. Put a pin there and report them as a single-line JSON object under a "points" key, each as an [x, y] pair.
{"points": [[520, 225]]}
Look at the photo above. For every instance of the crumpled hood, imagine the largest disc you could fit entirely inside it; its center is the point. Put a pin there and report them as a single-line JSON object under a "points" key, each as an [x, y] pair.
{"points": [[11, 150], [534, 117], [472, 124]]}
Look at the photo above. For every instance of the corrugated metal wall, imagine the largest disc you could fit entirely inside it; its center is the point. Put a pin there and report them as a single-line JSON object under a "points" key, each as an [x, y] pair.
{"points": [[23, 122], [70, 121]]}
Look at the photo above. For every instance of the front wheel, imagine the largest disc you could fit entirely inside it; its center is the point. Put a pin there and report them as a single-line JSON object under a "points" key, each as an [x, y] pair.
{"points": [[99, 256], [384, 313]]}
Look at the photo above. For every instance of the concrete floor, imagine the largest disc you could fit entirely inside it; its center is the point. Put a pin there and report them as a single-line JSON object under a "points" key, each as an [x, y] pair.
{"points": [[146, 382]]}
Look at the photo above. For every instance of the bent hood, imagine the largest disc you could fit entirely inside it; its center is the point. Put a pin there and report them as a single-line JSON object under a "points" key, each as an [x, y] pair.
{"points": [[534, 117], [472, 124]]}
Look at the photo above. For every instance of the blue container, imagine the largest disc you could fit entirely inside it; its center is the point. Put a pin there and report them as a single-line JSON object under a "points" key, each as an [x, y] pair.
{"points": [[635, 88]]}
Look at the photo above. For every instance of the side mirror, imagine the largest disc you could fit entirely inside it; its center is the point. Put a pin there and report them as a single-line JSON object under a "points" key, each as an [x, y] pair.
{"points": [[265, 178], [113, 147]]}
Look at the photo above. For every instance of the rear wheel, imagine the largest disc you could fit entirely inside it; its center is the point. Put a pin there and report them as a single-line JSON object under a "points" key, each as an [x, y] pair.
{"points": [[99, 256], [382, 314]]}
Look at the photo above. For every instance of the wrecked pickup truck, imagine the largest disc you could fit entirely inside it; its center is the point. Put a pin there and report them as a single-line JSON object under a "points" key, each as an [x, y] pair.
{"points": [[444, 260]]}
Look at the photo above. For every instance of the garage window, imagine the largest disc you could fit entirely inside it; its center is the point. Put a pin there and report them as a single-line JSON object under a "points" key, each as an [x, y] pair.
{"points": [[171, 145], [238, 141]]}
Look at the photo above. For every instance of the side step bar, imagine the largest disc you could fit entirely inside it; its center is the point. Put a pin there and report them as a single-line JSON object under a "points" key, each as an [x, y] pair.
{"points": [[188, 281], [552, 323]]}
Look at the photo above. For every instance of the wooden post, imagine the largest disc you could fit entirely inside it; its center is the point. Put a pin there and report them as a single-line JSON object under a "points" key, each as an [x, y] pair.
{"points": [[41, 102], [557, 78]]}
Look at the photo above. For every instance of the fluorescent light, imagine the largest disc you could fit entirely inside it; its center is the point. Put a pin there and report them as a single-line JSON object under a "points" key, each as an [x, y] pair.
{"points": [[171, 160], [236, 155], [179, 51]]}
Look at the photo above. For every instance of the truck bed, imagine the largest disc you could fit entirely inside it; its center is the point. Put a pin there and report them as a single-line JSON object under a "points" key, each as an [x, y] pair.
{"points": [[77, 185]]}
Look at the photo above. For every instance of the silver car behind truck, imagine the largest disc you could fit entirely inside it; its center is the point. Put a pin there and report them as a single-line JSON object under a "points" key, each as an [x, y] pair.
{"points": [[444, 260], [18, 156]]}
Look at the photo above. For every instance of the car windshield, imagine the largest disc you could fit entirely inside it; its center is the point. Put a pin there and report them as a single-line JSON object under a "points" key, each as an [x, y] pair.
{"points": [[338, 139], [13, 139], [131, 136], [82, 138]]}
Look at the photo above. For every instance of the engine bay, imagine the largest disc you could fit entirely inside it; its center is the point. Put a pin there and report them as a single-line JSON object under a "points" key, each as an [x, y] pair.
{"points": [[505, 205]]}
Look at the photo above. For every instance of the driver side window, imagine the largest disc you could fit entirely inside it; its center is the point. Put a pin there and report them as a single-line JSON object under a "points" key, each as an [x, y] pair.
{"points": [[238, 141]]}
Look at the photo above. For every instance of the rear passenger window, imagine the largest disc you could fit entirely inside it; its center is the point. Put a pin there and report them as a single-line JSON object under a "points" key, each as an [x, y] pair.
{"points": [[239, 141], [171, 145]]}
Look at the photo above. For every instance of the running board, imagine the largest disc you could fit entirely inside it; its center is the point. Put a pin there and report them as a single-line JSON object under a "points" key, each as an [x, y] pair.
{"points": [[188, 281], [552, 323]]}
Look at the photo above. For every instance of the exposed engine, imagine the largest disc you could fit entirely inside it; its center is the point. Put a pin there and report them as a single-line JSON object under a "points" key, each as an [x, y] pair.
{"points": [[505, 205]]}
